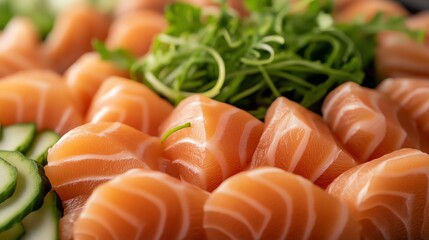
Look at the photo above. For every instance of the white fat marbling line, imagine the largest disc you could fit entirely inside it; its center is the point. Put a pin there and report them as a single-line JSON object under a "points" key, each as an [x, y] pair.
{"points": [[257, 206], [120, 212], [112, 128], [245, 140], [288, 123], [103, 223], [156, 200], [220, 229], [311, 208], [422, 111], [393, 62], [296, 123], [258, 176], [187, 140], [195, 169], [184, 204], [180, 190], [42, 88], [327, 110], [376, 126], [326, 163], [142, 147], [105, 110], [342, 219], [120, 156], [216, 141], [19, 104], [234, 214], [413, 94], [95, 178], [125, 93], [65, 118], [394, 88], [404, 217]]}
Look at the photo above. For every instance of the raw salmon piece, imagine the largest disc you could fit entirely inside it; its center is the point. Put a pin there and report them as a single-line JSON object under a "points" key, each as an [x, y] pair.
{"points": [[398, 55], [130, 102], [389, 195], [298, 140], [143, 204], [38, 96], [72, 36], [366, 10], [20, 37], [135, 31], [96, 152], [367, 122], [270, 203], [19, 47], [219, 143], [126, 6], [412, 96], [85, 76]]}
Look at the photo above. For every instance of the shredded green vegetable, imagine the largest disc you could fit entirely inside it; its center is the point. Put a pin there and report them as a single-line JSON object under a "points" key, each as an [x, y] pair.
{"points": [[249, 62]]}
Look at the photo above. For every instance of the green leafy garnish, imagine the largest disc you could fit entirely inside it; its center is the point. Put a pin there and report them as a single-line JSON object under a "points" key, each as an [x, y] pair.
{"points": [[120, 57], [248, 62]]}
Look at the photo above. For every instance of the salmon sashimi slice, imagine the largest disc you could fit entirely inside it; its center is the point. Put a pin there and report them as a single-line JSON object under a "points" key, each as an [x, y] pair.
{"points": [[389, 195], [130, 102], [142, 204], [397, 55], [367, 122], [19, 47], [219, 143], [85, 76], [72, 36], [20, 37], [299, 141], [39, 96], [270, 203], [94, 153], [135, 31], [412, 96], [366, 10]]}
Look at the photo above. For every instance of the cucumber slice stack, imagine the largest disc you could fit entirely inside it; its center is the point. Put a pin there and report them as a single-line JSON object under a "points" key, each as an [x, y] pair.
{"points": [[28, 207], [28, 191]]}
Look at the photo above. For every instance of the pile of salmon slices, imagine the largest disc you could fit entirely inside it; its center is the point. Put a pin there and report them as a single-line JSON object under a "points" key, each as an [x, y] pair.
{"points": [[86, 152]]}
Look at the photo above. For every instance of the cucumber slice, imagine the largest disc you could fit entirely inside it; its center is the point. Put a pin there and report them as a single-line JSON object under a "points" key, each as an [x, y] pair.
{"points": [[43, 223], [28, 191], [17, 137], [42, 142], [13, 233], [8, 183]]}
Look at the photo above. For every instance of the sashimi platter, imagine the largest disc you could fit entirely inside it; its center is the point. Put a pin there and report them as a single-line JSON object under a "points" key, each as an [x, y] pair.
{"points": [[214, 119]]}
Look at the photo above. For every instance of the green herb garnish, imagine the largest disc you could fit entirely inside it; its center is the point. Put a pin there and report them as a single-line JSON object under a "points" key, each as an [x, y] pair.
{"points": [[249, 62], [173, 130]]}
